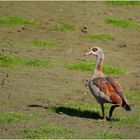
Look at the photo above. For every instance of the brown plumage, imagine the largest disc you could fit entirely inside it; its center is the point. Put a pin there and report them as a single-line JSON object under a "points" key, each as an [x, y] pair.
{"points": [[105, 89]]}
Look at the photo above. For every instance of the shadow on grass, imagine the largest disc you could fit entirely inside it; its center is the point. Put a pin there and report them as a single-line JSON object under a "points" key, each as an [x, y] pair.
{"points": [[80, 113], [74, 112], [71, 111], [34, 105]]}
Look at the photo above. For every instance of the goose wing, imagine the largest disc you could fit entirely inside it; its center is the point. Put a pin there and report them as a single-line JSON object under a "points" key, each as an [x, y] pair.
{"points": [[111, 88], [117, 88]]}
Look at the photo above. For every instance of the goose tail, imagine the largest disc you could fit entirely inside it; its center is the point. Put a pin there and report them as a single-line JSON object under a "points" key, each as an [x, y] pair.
{"points": [[126, 106]]}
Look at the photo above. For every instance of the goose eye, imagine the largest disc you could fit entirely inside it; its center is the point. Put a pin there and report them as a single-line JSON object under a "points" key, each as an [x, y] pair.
{"points": [[94, 49]]}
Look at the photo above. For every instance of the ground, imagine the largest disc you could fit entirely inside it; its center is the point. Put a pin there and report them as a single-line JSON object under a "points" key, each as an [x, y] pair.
{"points": [[41, 91]]}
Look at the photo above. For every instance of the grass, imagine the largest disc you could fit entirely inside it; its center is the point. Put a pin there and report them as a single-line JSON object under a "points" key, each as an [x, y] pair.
{"points": [[123, 3], [44, 43], [82, 109], [120, 22], [17, 62], [37, 63], [132, 95], [48, 131], [78, 106], [16, 20], [11, 117], [94, 37], [126, 121], [88, 66], [107, 135], [92, 111], [63, 27]]}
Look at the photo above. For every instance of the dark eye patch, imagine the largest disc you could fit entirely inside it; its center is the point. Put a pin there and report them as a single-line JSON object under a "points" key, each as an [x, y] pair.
{"points": [[94, 49]]}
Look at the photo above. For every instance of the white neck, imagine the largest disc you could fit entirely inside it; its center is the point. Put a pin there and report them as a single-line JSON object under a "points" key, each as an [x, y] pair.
{"points": [[99, 62], [98, 68]]}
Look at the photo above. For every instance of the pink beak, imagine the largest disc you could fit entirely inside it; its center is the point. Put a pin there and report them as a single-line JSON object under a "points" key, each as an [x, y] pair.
{"points": [[87, 53]]}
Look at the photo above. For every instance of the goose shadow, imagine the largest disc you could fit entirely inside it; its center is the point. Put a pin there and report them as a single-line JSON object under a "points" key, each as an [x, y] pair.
{"points": [[70, 111], [74, 112], [81, 113], [34, 105]]}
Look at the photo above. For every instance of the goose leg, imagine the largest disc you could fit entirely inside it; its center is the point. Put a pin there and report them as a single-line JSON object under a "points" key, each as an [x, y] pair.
{"points": [[103, 118], [112, 109]]}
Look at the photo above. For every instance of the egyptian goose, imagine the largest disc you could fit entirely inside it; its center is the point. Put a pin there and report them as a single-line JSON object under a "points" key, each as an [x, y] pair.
{"points": [[104, 88]]}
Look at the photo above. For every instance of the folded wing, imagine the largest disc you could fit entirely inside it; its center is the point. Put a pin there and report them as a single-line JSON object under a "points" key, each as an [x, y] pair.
{"points": [[111, 88]]}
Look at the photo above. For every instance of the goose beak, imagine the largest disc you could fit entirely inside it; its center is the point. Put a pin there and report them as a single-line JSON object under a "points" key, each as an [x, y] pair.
{"points": [[87, 53]]}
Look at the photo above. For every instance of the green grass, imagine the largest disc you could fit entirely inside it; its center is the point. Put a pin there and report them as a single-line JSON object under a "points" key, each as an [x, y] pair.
{"points": [[11, 61], [37, 63], [123, 3], [77, 106], [18, 62], [81, 109], [120, 22], [90, 110], [88, 66], [125, 121], [44, 43], [16, 20], [63, 27], [133, 95], [94, 37], [107, 135], [11, 117], [48, 131]]}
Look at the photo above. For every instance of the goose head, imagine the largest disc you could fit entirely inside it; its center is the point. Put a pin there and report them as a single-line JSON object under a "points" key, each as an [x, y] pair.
{"points": [[98, 52]]}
